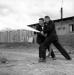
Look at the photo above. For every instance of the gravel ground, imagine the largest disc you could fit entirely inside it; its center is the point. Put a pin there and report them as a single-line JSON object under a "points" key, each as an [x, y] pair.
{"points": [[25, 62]]}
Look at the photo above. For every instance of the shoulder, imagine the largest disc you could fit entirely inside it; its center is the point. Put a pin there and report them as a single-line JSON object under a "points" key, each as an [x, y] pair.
{"points": [[52, 22]]}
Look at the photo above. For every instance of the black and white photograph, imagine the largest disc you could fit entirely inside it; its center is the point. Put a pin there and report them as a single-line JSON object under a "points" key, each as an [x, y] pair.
{"points": [[36, 37]]}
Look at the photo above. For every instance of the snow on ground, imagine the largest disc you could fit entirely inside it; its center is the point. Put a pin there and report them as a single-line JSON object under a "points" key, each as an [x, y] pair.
{"points": [[25, 62]]}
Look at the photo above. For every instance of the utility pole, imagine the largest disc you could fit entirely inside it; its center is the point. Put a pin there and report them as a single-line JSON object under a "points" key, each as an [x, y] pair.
{"points": [[61, 16], [62, 10]]}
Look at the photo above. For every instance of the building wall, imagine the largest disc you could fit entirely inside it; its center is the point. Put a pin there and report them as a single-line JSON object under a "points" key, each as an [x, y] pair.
{"points": [[63, 28], [67, 40], [66, 36]]}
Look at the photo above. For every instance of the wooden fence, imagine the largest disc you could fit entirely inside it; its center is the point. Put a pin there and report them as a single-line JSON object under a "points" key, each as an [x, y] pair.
{"points": [[15, 36]]}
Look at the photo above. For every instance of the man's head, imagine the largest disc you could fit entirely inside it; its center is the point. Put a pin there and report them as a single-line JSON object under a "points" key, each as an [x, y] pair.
{"points": [[47, 19], [41, 21]]}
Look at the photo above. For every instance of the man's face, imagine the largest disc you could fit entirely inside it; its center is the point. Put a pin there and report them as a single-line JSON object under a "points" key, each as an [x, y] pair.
{"points": [[47, 20], [41, 22]]}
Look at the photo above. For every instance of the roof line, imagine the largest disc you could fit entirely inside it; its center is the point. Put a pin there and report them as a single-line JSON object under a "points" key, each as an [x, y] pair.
{"points": [[57, 20]]}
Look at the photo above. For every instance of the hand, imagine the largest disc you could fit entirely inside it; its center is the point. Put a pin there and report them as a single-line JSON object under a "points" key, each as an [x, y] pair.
{"points": [[42, 33]]}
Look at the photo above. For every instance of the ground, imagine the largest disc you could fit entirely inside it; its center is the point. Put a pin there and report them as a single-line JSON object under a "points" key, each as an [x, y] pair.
{"points": [[25, 62]]}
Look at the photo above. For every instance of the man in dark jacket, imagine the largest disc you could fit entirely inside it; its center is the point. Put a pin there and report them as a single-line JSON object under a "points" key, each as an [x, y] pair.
{"points": [[51, 38], [41, 37]]}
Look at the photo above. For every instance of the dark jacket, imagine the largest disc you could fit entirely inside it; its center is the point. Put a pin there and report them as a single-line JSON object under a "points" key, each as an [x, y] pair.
{"points": [[49, 29], [40, 37]]}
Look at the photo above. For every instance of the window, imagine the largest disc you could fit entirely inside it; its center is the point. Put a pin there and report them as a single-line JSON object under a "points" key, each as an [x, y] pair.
{"points": [[71, 27]]}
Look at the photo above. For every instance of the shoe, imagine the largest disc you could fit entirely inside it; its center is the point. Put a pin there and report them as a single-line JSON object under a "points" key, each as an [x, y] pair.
{"points": [[69, 59], [42, 60], [54, 58]]}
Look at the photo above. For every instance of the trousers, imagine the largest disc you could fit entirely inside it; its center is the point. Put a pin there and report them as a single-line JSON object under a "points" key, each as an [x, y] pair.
{"points": [[56, 43]]}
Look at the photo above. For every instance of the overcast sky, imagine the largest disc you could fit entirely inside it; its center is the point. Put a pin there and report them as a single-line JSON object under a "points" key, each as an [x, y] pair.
{"points": [[24, 12]]}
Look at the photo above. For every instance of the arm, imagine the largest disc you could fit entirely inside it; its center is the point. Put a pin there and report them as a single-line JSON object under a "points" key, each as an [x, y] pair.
{"points": [[38, 27], [49, 28]]}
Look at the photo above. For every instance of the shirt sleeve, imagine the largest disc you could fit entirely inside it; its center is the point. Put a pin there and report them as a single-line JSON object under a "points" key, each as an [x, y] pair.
{"points": [[49, 28]]}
